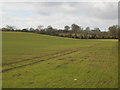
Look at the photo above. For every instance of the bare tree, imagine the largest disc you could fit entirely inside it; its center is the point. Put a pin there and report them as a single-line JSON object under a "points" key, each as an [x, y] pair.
{"points": [[66, 28], [10, 27], [31, 29], [75, 28], [40, 27], [113, 31]]}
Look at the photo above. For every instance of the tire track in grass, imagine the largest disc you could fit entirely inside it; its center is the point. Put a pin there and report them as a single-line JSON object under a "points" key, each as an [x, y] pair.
{"points": [[4, 64], [54, 56], [49, 58]]}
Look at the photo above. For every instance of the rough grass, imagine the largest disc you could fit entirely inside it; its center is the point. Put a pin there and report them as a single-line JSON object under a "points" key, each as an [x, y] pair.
{"points": [[40, 61]]}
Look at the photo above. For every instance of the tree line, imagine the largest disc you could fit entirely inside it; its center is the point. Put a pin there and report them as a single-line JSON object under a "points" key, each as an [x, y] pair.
{"points": [[73, 31]]}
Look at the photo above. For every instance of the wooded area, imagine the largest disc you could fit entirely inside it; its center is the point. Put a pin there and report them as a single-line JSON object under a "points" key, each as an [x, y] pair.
{"points": [[73, 31]]}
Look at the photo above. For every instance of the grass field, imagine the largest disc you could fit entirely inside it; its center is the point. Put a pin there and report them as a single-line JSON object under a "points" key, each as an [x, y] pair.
{"points": [[41, 61]]}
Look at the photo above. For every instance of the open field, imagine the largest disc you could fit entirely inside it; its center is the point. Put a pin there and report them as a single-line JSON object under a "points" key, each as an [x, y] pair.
{"points": [[42, 61]]}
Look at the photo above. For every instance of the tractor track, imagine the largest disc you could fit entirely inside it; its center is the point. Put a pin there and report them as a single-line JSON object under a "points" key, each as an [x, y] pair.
{"points": [[49, 58], [4, 64]]}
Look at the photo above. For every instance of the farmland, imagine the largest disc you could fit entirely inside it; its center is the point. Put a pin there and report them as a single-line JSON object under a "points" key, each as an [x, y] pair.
{"points": [[41, 61]]}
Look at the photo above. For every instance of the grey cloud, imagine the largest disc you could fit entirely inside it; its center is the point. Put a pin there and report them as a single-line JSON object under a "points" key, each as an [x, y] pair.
{"points": [[60, 13], [84, 9]]}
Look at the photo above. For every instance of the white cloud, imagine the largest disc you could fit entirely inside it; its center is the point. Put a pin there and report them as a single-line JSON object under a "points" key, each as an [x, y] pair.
{"points": [[59, 14], [59, 1]]}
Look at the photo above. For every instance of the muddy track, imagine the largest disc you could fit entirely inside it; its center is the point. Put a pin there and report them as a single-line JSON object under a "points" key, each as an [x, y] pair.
{"points": [[21, 61], [71, 51], [37, 57], [21, 66], [34, 58]]}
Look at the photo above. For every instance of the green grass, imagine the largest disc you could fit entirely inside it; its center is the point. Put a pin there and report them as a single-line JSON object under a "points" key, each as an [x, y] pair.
{"points": [[94, 63]]}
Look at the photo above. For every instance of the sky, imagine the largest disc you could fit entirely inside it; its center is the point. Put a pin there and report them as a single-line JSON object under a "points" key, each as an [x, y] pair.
{"points": [[58, 14]]}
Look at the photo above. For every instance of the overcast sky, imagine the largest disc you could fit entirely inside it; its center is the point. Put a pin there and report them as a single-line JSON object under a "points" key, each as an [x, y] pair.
{"points": [[59, 14]]}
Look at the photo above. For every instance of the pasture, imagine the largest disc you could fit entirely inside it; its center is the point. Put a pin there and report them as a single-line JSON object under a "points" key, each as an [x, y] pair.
{"points": [[41, 61]]}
